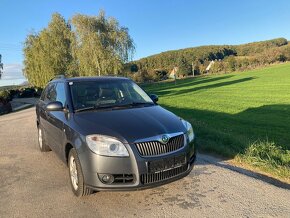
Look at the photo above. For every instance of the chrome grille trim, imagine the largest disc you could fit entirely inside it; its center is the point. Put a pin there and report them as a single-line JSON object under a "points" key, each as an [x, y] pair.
{"points": [[153, 148]]}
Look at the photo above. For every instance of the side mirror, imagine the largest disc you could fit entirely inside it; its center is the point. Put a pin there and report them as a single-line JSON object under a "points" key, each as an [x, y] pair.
{"points": [[154, 98], [54, 106]]}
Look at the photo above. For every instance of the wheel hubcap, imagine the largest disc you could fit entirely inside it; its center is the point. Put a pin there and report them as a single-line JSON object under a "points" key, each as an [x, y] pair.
{"points": [[73, 173], [40, 138]]}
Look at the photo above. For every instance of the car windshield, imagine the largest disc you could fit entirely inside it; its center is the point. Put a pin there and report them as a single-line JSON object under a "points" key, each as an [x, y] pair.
{"points": [[94, 95]]}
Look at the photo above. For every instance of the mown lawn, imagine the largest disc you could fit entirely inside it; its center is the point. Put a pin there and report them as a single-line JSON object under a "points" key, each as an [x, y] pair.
{"points": [[242, 116]]}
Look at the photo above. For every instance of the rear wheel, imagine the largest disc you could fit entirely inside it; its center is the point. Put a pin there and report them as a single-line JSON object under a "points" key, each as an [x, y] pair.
{"points": [[76, 175], [41, 142]]}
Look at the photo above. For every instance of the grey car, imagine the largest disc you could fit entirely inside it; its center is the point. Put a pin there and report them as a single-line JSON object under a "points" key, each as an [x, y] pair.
{"points": [[112, 134]]}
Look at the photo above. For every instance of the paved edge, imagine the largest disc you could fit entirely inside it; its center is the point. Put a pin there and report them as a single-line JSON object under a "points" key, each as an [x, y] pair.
{"points": [[255, 175]]}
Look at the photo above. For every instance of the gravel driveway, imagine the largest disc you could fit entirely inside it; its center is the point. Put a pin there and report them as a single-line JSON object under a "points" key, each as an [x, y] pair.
{"points": [[34, 184]]}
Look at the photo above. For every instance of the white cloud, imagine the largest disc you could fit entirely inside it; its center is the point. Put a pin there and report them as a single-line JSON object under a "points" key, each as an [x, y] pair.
{"points": [[12, 72]]}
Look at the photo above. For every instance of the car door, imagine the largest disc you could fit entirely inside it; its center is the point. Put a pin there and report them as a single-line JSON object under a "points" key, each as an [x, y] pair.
{"points": [[43, 113], [56, 119]]}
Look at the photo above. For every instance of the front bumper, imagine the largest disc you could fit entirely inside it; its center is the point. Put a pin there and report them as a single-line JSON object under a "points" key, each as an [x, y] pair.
{"points": [[136, 165]]}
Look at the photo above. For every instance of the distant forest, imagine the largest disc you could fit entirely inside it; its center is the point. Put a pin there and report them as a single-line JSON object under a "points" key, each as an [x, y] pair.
{"points": [[194, 61]]}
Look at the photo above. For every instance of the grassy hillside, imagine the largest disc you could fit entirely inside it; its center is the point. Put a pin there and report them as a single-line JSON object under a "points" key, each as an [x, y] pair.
{"points": [[245, 116], [202, 54]]}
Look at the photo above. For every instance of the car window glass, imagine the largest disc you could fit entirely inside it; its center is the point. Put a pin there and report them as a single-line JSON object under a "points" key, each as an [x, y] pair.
{"points": [[44, 91], [51, 93], [107, 93], [60, 93]]}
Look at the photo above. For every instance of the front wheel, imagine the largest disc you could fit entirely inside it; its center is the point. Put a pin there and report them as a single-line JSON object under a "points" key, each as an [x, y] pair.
{"points": [[76, 175]]}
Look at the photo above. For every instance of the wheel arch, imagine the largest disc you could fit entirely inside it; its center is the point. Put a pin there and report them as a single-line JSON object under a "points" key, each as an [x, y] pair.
{"points": [[67, 149]]}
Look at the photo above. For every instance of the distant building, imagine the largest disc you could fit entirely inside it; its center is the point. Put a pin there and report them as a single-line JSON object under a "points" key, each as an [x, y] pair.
{"points": [[173, 73]]}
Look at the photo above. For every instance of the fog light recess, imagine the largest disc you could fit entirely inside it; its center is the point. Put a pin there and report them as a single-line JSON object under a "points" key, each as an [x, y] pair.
{"points": [[107, 178]]}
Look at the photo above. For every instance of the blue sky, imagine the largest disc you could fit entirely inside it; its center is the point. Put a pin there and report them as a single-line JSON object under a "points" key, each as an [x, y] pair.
{"points": [[155, 25]]}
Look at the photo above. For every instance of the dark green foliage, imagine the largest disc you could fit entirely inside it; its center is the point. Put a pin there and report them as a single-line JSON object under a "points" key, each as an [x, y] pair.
{"points": [[134, 68], [184, 68], [5, 96], [258, 47], [170, 59], [228, 58]]}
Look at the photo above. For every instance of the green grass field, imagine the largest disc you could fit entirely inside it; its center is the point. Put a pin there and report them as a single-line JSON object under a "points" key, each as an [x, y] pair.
{"points": [[242, 116]]}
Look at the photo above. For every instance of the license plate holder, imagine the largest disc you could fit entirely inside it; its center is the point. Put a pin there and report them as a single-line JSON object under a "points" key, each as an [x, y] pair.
{"points": [[166, 163]]}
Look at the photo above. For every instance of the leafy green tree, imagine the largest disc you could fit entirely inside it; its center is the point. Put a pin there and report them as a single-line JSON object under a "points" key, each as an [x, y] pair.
{"points": [[100, 45], [48, 53], [85, 46], [184, 68]]}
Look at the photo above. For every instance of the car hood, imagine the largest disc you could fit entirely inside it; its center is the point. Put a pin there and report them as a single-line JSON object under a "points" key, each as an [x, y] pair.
{"points": [[129, 125]]}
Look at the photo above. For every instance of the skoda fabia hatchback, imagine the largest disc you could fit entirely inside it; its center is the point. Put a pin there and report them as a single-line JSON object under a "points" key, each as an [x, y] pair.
{"points": [[112, 135]]}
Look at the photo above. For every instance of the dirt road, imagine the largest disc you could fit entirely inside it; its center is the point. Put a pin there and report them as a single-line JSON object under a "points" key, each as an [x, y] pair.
{"points": [[33, 184]]}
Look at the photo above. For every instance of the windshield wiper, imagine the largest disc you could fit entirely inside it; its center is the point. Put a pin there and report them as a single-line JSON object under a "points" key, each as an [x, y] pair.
{"points": [[100, 107], [132, 104], [85, 109]]}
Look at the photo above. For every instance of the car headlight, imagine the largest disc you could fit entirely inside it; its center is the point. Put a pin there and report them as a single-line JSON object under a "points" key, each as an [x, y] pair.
{"points": [[189, 130], [107, 146]]}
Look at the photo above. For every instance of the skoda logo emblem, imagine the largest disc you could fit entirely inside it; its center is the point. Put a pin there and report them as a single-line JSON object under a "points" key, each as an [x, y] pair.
{"points": [[165, 139]]}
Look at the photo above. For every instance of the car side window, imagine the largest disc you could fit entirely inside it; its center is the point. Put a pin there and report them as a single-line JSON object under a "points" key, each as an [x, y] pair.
{"points": [[43, 94], [60, 93], [50, 94]]}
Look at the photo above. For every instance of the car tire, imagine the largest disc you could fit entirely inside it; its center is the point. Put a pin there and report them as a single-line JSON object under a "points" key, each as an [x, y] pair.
{"points": [[76, 175], [43, 147]]}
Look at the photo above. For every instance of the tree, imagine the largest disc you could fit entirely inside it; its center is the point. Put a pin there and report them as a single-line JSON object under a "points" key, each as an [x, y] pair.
{"points": [[232, 63], [100, 45], [184, 68], [1, 66], [85, 46], [48, 53]]}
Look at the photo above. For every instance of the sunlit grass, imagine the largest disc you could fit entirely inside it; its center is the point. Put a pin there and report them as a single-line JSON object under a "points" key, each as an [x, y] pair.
{"points": [[231, 113]]}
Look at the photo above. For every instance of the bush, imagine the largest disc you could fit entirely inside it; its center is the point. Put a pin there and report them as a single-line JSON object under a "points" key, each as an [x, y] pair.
{"points": [[268, 157], [5, 106], [27, 93], [5, 96], [268, 152]]}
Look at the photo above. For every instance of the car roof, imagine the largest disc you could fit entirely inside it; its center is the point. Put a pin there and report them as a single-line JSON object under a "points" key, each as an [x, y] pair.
{"points": [[86, 78]]}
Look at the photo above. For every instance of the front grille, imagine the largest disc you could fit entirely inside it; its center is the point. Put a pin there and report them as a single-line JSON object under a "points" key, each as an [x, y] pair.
{"points": [[163, 175], [156, 148]]}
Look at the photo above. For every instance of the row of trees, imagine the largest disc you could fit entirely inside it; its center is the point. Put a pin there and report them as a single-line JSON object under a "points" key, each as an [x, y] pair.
{"points": [[82, 46], [194, 61]]}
